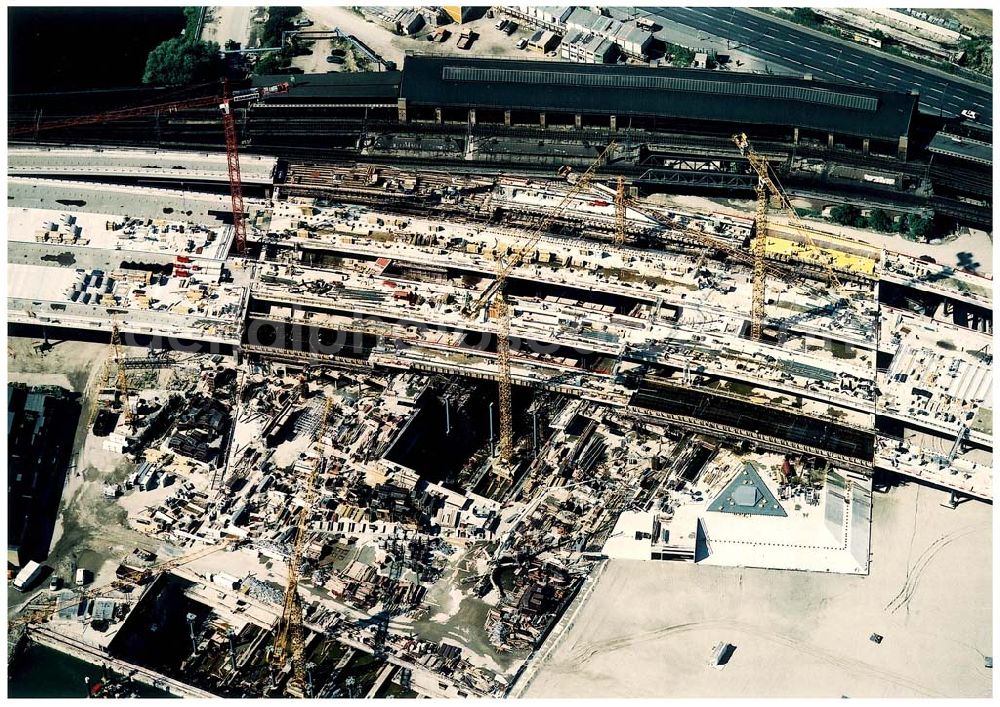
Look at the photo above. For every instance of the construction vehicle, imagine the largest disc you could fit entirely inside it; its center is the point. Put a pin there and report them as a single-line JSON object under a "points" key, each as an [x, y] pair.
{"points": [[501, 312], [225, 104], [466, 38], [289, 633]]}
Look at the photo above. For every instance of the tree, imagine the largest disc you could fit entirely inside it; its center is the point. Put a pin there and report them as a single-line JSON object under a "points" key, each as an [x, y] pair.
{"points": [[179, 61], [279, 19], [978, 54], [918, 226], [805, 16], [192, 15], [680, 56], [880, 221], [270, 63], [845, 214]]}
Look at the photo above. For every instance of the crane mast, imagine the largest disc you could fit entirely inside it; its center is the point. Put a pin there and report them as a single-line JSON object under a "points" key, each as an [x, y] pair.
{"points": [[502, 312], [233, 165], [289, 635], [121, 380], [759, 248], [225, 104], [768, 186], [621, 202], [505, 449], [770, 180]]}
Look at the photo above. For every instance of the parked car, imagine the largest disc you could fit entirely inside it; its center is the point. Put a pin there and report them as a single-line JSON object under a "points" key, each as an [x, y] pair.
{"points": [[501, 24], [334, 59], [510, 29], [302, 22], [521, 43]]}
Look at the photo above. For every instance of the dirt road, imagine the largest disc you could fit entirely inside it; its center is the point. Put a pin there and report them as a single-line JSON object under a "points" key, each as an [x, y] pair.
{"points": [[228, 22], [90, 531]]}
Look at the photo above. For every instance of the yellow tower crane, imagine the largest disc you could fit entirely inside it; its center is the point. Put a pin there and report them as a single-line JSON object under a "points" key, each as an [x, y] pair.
{"points": [[122, 379], [501, 309], [767, 185], [621, 204], [289, 634]]}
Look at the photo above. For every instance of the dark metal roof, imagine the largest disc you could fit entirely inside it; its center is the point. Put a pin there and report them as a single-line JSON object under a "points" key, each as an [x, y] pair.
{"points": [[381, 85], [729, 97], [961, 147]]}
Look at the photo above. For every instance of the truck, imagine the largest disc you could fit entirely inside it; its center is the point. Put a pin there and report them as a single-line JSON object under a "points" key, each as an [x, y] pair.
{"points": [[26, 578], [466, 38]]}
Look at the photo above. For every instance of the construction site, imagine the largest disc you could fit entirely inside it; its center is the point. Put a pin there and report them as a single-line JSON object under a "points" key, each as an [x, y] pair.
{"points": [[359, 428]]}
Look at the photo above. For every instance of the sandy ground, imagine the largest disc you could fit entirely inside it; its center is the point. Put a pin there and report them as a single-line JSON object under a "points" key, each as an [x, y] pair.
{"points": [[229, 22], [648, 628], [491, 42], [977, 243]]}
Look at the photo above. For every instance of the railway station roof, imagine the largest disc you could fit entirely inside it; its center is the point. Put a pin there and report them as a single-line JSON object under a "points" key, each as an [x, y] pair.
{"points": [[381, 85], [686, 94], [962, 148]]}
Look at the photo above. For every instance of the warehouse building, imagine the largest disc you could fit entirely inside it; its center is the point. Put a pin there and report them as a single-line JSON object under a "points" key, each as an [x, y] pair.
{"points": [[634, 41], [586, 48]]}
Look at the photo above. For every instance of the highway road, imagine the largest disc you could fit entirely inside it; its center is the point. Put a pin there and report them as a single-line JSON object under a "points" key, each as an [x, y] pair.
{"points": [[826, 58]]}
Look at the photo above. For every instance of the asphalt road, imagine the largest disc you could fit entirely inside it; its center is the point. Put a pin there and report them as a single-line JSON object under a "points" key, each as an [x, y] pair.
{"points": [[829, 59]]}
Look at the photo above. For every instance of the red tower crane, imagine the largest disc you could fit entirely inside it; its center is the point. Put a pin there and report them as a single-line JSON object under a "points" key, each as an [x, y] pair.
{"points": [[225, 104]]}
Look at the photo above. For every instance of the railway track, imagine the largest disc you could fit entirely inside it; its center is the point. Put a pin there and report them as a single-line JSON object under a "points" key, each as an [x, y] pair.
{"points": [[336, 138]]}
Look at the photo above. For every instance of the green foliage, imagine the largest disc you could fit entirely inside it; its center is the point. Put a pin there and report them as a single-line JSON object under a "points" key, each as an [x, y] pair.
{"points": [[191, 15], [179, 61], [805, 16], [880, 221], [978, 54], [918, 226], [845, 214], [681, 56], [271, 63], [279, 19]]}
